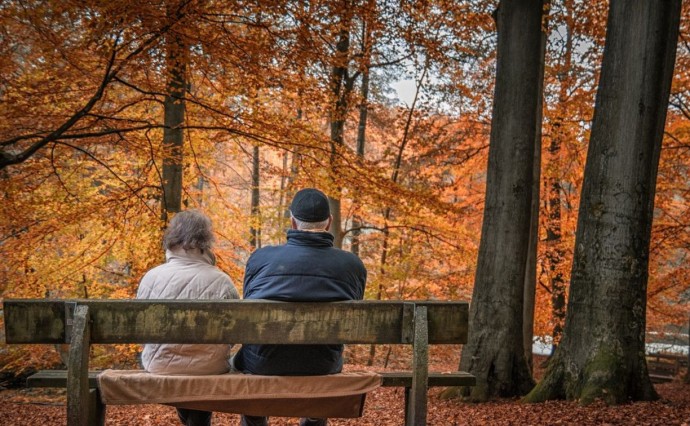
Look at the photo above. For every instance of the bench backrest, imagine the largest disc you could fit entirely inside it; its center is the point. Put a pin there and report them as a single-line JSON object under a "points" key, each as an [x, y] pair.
{"points": [[234, 321], [84, 322]]}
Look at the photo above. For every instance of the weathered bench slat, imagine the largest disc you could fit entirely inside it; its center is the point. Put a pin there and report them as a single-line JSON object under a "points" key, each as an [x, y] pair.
{"points": [[404, 379], [58, 379], [184, 321]]}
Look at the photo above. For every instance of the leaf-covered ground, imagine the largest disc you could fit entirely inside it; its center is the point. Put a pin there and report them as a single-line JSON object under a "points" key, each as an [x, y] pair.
{"points": [[384, 407]]}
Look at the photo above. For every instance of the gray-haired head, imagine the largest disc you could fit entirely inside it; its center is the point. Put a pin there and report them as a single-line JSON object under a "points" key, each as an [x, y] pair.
{"points": [[189, 230], [310, 226]]}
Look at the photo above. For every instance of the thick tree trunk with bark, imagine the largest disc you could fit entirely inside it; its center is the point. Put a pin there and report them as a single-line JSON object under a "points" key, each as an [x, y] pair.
{"points": [[174, 112], [602, 353], [531, 265], [495, 351]]}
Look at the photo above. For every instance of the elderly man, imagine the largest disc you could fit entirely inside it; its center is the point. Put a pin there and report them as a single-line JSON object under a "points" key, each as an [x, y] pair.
{"points": [[306, 269]]}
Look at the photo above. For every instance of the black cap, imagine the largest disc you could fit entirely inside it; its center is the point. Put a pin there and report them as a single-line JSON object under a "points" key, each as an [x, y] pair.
{"points": [[310, 205]]}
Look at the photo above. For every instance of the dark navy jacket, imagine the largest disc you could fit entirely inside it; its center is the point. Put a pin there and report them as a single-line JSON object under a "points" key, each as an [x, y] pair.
{"points": [[306, 269]]}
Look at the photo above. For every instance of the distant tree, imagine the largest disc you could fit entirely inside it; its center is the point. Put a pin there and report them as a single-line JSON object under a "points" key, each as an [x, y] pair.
{"points": [[366, 47], [341, 85], [554, 252], [255, 227], [602, 353], [177, 57]]}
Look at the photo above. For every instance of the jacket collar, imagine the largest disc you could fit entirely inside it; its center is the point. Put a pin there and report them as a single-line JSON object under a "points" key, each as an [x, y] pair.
{"points": [[197, 255], [312, 239]]}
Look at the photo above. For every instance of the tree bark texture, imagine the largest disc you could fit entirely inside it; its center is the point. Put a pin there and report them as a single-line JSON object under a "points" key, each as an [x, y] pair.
{"points": [[174, 112], [531, 264], [602, 353], [495, 351]]}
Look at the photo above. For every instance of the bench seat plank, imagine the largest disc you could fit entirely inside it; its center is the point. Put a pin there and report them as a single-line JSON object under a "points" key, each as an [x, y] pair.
{"points": [[58, 379], [334, 395]]}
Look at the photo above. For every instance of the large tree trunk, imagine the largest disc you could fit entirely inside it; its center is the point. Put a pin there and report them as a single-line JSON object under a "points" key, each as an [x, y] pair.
{"points": [[174, 111], [531, 265], [602, 353], [495, 351]]}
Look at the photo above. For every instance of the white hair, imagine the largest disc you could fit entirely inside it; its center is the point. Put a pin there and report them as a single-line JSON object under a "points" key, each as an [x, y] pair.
{"points": [[309, 226]]}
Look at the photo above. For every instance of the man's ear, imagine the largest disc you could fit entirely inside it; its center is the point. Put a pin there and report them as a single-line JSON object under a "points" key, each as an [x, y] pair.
{"points": [[293, 223], [330, 220]]}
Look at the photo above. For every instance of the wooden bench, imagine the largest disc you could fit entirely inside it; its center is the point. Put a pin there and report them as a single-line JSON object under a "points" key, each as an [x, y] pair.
{"points": [[664, 367], [81, 323]]}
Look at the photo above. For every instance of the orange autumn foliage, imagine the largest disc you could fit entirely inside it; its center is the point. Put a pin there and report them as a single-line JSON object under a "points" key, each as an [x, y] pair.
{"points": [[80, 217]]}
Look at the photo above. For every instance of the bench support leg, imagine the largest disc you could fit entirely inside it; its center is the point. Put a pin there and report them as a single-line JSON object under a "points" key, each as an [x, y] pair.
{"points": [[96, 408], [78, 369], [416, 406]]}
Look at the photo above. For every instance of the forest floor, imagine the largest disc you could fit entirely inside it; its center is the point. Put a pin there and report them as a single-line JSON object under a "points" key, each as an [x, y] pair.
{"points": [[384, 406]]}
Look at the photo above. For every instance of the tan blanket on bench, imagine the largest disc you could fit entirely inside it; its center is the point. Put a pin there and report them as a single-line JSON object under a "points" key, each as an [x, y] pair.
{"points": [[337, 395]]}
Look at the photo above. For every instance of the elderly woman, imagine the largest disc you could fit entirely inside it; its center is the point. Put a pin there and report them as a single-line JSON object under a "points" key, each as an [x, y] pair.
{"points": [[188, 273]]}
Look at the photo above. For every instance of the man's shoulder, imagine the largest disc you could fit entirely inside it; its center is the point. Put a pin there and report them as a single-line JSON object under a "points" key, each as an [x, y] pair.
{"points": [[267, 251], [347, 255], [265, 254]]}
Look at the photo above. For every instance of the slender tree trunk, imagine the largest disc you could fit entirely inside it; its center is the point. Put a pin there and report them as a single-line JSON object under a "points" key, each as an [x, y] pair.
{"points": [[495, 351], [361, 142], [341, 87], [602, 353], [687, 373], [554, 241], [555, 252], [295, 162], [174, 112], [200, 183], [396, 176], [283, 187], [255, 229], [362, 126]]}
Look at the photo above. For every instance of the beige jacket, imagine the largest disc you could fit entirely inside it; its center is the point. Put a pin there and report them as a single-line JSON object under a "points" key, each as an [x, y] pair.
{"points": [[186, 275]]}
